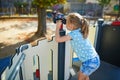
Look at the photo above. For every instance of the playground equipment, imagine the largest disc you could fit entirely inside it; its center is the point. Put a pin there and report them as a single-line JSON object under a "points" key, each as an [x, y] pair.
{"points": [[49, 60], [107, 41]]}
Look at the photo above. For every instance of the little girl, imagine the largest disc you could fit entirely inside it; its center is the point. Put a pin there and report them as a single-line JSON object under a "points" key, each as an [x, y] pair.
{"points": [[79, 30]]}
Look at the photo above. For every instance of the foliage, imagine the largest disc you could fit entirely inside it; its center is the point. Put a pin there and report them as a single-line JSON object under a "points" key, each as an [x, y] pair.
{"points": [[104, 2], [20, 7], [20, 4], [47, 3], [82, 1]]}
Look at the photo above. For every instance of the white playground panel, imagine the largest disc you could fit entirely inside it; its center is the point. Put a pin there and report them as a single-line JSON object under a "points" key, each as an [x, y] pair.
{"points": [[43, 56]]}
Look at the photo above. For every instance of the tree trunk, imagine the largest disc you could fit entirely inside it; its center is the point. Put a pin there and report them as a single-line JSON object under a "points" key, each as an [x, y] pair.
{"points": [[103, 10], [41, 22]]}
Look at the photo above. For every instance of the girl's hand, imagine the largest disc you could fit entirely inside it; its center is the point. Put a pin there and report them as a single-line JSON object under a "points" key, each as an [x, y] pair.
{"points": [[59, 38], [58, 24]]}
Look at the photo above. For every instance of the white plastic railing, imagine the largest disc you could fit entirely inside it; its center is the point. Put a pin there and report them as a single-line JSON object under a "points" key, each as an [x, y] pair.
{"points": [[42, 57]]}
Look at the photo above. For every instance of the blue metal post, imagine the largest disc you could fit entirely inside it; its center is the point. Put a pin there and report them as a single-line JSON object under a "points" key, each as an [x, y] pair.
{"points": [[98, 34], [61, 57]]}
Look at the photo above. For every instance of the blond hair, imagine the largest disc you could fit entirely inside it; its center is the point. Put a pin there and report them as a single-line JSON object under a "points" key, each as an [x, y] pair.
{"points": [[79, 22]]}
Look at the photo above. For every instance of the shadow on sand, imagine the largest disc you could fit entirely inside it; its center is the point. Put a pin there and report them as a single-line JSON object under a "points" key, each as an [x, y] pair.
{"points": [[7, 50]]}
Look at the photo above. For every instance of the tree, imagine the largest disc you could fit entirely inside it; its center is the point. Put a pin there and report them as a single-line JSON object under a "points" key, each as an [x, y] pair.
{"points": [[118, 9], [42, 5], [20, 6], [103, 3]]}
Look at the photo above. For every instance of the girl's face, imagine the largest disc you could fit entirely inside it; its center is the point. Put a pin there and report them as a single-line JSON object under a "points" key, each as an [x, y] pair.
{"points": [[69, 25]]}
